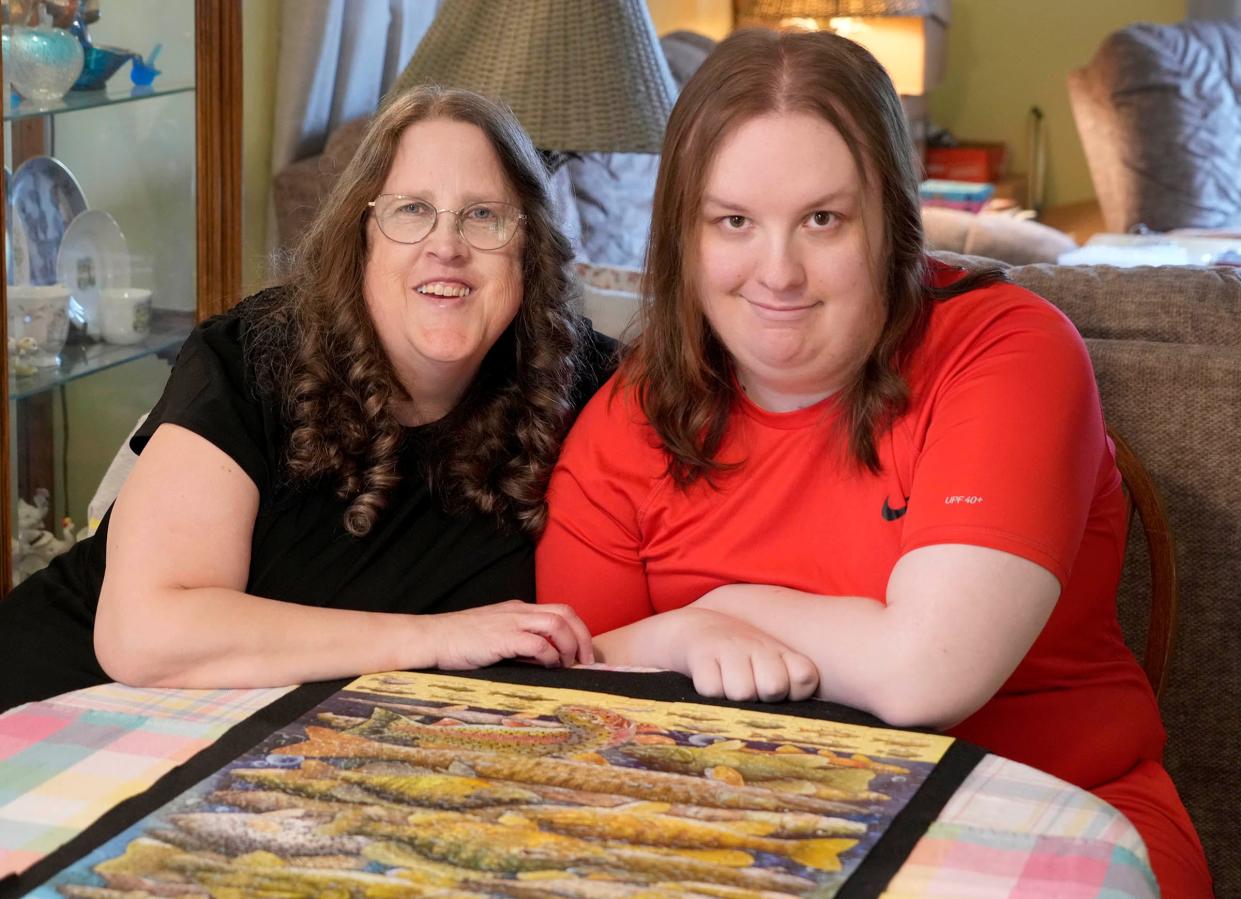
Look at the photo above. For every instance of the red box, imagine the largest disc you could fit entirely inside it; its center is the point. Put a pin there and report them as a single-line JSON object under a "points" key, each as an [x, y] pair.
{"points": [[966, 162]]}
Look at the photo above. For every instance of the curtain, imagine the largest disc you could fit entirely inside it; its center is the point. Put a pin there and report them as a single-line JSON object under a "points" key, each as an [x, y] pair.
{"points": [[336, 59], [1214, 9]]}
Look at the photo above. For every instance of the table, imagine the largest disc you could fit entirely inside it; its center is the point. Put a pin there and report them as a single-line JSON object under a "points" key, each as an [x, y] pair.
{"points": [[1006, 830]]}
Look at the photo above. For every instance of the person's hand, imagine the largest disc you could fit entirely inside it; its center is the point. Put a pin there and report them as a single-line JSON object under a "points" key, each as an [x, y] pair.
{"points": [[729, 658], [549, 635]]}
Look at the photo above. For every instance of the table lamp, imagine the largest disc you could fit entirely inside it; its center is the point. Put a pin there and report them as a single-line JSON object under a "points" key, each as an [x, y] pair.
{"points": [[580, 77], [906, 36]]}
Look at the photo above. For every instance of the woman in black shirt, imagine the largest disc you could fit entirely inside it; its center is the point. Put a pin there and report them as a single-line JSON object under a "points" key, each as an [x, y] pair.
{"points": [[372, 439]]}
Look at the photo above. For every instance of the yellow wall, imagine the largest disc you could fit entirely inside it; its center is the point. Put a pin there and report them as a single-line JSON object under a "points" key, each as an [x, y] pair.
{"points": [[260, 24], [1005, 56], [713, 18]]}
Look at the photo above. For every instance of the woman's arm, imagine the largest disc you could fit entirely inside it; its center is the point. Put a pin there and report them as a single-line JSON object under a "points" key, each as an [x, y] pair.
{"points": [[173, 611], [958, 620], [590, 554], [941, 647]]}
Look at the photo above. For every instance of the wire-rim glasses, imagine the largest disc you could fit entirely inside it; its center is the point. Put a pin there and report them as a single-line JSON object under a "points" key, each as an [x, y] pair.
{"points": [[484, 226]]}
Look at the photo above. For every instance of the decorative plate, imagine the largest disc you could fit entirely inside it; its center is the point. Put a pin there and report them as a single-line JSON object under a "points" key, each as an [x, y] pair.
{"points": [[94, 255], [45, 199], [16, 254], [19, 252]]}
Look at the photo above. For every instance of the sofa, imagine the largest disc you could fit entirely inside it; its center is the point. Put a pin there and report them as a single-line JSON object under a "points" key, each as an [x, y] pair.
{"points": [[995, 235], [1158, 110]]}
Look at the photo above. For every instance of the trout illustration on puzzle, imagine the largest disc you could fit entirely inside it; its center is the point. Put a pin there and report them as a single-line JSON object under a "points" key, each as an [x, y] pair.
{"points": [[666, 831], [754, 764], [658, 786], [320, 780], [285, 834], [583, 729], [470, 843]]}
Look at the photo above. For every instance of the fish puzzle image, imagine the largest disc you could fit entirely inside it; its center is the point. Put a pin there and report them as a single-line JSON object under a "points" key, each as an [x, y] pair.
{"points": [[426, 784]]}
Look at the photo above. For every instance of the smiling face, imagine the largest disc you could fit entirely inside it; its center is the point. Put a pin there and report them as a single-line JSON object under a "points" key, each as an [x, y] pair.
{"points": [[440, 304], [788, 254]]}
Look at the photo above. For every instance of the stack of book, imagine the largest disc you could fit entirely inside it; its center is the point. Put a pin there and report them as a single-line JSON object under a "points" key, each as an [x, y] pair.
{"points": [[968, 195], [982, 162]]}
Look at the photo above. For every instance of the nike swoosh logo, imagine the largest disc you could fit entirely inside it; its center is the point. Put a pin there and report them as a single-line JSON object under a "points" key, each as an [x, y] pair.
{"points": [[890, 514]]}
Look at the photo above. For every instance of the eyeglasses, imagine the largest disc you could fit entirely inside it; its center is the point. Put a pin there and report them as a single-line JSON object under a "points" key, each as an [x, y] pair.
{"points": [[484, 226]]}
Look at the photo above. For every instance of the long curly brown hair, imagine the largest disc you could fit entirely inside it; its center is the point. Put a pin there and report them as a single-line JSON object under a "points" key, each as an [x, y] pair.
{"points": [[680, 369], [318, 352]]}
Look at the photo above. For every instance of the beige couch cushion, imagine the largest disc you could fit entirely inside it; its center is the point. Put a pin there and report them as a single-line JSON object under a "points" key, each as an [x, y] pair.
{"points": [[1178, 304]]}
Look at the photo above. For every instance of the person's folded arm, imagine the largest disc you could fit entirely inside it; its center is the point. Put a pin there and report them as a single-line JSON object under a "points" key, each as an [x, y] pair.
{"points": [[958, 620], [724, 656], [173, 610]]}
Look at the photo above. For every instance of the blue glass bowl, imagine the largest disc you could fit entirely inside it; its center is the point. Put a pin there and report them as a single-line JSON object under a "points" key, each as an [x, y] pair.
{"points": [[100, 64]]}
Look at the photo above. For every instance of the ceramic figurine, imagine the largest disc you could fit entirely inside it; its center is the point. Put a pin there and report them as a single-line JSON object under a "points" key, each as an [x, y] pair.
{"points": [[21, 353], [34, 546]]}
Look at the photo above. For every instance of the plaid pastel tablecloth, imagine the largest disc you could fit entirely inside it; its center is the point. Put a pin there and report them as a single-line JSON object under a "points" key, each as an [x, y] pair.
{"points": [[66, 761], [1013, 831], [1008, 831]]}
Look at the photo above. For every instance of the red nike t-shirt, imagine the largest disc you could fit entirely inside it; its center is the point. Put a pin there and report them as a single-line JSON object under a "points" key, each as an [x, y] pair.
{"points": [[1003, 445]]}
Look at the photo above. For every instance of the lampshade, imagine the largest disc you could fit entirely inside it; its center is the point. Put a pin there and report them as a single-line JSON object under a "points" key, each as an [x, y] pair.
{"points": [[580, 77], [772, 11], [906, 36]]}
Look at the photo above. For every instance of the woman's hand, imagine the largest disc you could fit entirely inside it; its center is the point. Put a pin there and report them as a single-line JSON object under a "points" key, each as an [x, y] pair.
{"points": [[725, 656], [728, 658], [551, 635]]}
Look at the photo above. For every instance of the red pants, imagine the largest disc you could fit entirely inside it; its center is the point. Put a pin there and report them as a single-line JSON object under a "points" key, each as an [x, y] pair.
{"points": [[1148, 798]]}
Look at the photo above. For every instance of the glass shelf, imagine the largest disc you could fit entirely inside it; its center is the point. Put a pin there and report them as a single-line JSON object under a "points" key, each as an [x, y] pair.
{"points": [[124, 92], [169, 328]]}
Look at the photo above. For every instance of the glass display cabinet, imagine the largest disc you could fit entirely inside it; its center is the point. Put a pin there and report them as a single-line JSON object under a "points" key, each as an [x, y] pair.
{"points": [[122, 214]]}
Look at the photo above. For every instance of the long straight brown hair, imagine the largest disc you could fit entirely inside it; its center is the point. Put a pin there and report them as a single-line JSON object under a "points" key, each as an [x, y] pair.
{"points": [[681, 371]]}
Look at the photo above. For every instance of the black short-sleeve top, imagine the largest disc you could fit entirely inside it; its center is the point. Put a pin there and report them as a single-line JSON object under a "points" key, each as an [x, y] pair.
{"points": [[417, 557]]}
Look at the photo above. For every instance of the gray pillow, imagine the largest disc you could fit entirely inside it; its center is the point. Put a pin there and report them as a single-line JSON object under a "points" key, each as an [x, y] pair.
{"points": [[1159, 113], [614, 190], [614, 193]]}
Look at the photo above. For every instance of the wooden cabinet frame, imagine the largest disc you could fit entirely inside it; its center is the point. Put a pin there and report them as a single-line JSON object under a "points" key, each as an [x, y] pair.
{"points": [[218, 110]]}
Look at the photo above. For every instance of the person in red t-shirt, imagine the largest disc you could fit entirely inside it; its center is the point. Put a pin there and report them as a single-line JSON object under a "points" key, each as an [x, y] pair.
{"points": [[830, 466]]}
